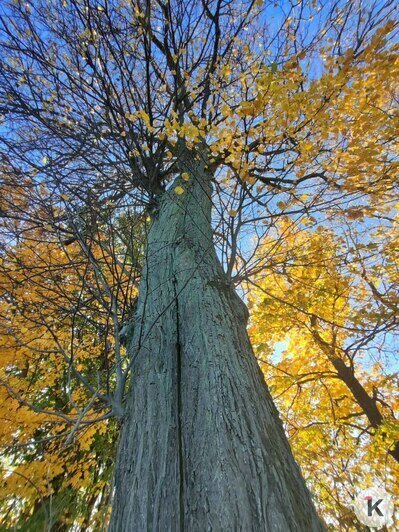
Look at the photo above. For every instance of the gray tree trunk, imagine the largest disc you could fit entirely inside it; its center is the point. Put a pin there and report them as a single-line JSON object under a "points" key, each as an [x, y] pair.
{"points": [[202, 447]]}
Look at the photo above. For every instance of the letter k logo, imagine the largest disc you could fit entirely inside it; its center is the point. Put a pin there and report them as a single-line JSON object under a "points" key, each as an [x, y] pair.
{"points": [[373, 507]]}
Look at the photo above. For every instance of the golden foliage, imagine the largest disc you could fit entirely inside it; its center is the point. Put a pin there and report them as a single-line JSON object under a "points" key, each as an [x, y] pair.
{"points": [[315, 308]]}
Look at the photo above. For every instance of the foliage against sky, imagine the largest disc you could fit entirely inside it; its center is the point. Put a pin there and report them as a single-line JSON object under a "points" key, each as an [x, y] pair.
{"points": [[294, 107], [332, 309]]}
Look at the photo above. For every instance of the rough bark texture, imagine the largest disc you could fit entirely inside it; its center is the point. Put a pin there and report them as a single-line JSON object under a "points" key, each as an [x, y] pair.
{"points": [[202, 447]]}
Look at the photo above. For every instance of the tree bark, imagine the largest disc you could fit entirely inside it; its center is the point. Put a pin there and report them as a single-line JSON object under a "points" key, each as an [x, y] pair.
{"points": [[202, 447]]}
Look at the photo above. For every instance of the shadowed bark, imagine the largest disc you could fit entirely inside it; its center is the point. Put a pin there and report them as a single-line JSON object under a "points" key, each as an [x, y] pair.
{"points": [[202, 447]]}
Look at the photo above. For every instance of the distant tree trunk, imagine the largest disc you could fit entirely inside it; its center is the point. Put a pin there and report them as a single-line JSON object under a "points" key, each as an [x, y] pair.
{"points": [[202, 447], [366, 402]]}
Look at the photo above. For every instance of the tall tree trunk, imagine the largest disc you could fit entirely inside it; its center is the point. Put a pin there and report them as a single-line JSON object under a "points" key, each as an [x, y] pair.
{"points": [[202, 447]]}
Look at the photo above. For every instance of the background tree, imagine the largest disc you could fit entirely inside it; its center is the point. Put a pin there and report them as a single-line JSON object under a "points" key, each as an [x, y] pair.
{"points": [[193, 128], [62, 299], [334, 374]]}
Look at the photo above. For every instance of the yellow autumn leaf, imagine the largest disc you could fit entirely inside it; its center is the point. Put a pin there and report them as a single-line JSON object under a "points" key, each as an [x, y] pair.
{"points": [[306, 146]]}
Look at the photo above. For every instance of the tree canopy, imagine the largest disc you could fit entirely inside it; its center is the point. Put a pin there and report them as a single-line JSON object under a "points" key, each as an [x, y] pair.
{"points": [[293, 108]]}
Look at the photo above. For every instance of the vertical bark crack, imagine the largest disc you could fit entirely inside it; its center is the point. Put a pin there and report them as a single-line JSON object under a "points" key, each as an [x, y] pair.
{"points": [[203, 447], [179, 410]]}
